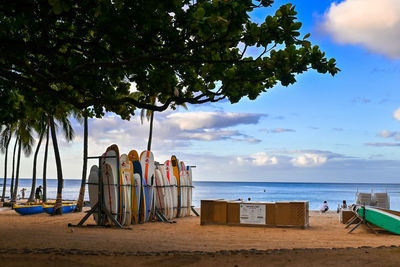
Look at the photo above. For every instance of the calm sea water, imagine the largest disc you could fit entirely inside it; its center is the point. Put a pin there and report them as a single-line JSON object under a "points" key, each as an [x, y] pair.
{"points": [[315, 193]]}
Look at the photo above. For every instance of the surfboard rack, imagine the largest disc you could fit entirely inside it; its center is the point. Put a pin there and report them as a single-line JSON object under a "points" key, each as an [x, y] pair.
{"points": [[162, 217], [100, 208], [362, 221], [194, 211]]}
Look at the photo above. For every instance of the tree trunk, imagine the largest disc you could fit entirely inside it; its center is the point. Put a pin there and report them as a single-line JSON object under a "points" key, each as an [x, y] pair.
{"points": [[84, 169], [151, 131], [58, 205], [45, 165], [33, 187], [5, 170], [14, 195], [13, 168]]}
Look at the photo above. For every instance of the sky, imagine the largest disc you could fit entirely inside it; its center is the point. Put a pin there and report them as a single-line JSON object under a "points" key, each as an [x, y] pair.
{"points": [[344, 128]]}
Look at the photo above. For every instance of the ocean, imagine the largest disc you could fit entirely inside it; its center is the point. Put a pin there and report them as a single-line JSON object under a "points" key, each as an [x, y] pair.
{"points": [[315, 193]]}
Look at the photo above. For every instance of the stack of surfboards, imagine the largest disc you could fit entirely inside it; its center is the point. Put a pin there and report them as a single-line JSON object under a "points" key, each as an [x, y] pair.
{"points": [[136, 189]]}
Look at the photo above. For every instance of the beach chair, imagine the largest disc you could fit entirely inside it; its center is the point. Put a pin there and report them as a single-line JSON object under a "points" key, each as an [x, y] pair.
{"points": [[364, 199], [381, 200]]}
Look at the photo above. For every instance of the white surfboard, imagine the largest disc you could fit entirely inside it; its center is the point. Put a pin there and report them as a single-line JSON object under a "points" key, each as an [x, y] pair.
{"points": [[110, 189], [182, 170], [172, 181], [168, 194], [189, 172], [147, 162], [137, 197], [114, 162], [126, 183], [160, 193], [93, 188]]}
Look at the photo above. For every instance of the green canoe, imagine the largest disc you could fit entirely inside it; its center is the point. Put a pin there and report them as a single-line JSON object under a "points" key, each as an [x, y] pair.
{"points": [[385, 219]]}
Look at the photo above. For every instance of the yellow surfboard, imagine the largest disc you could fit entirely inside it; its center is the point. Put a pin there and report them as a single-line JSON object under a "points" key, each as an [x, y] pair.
{"points": [[175, 168]]}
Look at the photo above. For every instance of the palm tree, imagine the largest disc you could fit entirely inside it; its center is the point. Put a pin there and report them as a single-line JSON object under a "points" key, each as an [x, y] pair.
{"points": [[13, 168], [32, 194], [69, 133], [150, 116], [45, 163], [25, 142], [40, 127], [84, 169], [4, 143]]}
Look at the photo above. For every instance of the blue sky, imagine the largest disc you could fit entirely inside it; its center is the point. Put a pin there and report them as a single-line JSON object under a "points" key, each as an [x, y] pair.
{"points": [[321, 129]]}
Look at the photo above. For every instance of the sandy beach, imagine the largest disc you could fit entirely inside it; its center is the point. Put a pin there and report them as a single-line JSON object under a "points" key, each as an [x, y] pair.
{"points": [[38, 239]]}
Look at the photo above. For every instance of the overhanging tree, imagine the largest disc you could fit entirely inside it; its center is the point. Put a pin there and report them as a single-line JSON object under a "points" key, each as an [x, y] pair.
{"points": [[85, 55]]}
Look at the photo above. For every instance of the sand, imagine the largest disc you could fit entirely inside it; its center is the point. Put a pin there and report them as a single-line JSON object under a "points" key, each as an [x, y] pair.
{"points": [[43, 238]]}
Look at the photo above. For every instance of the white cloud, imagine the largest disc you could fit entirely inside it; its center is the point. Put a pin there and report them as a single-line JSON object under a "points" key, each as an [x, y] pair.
{"points": [[374, 24], [212, 120], [282, 130], [309, 160], [377, 144], [396, 114], [210, 135], [258, 159], [386, 134]]}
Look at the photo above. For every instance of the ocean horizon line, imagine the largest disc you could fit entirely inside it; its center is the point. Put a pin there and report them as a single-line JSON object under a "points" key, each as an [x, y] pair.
{"points": [[219, 181]]}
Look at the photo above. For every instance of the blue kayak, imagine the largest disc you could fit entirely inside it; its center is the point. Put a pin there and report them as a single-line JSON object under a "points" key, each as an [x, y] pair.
{"points": [[66, 207], [28, 209]]}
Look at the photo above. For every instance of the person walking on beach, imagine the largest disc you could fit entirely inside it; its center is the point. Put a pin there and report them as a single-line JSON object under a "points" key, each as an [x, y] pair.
{"points": [[324, 207], [23, 192], [38, 194]]}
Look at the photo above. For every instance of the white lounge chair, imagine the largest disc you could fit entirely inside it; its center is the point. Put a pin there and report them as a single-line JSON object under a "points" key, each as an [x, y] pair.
{"points": [[381, 200], [364, 199]]}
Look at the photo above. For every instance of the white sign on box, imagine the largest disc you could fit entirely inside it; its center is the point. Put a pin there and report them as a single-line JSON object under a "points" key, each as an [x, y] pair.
{"points": [[252, 214]]}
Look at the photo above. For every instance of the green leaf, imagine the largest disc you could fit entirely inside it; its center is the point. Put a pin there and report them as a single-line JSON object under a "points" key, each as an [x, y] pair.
{"points": [[200, 12]]}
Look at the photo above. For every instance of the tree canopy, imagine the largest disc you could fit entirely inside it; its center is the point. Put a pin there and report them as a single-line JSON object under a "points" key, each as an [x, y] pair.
{"points": [[60, 55]]}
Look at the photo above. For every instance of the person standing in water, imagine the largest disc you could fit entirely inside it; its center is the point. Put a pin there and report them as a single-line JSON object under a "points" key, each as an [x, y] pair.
{"points": [[38, 193]]}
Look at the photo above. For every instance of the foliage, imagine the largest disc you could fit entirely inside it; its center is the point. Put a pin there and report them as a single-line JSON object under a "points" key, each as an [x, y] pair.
{"points": [[65, 54]]}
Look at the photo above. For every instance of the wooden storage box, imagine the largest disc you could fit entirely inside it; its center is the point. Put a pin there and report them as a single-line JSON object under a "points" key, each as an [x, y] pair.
{"points": [[213, 212], [345, 215], [293, 213]]}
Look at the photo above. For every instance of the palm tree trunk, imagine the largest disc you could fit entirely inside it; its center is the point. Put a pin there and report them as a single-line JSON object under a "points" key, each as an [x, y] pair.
{"points": [[14, 195], [5, 170], [33, 187], [84, 169], [45, 165], [151, 131], [13, 169], [58, 205]]}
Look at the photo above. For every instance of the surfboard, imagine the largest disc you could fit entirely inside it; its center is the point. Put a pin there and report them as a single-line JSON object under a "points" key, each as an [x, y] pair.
{"points": [[133, 155], [110, 188], [175, 170], [169, 207], [136, 189], [116, 170], [189, 172], [379, 217], [137, 169], [136, 196], [172, 181], [185, 188], [126, 183], [93, 187], [160, 193], [147, 161]]}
